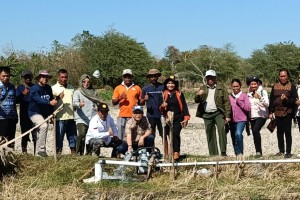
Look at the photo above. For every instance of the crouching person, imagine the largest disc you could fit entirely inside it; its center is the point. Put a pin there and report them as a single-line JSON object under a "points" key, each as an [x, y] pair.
{"points": [[137, 132], [102, 132]]}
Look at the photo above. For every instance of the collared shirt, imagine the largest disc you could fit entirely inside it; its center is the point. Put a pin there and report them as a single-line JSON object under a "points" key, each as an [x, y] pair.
{"points": [[210, 101], [133, 95], [68, 110], [99, 128], [136, 130]]}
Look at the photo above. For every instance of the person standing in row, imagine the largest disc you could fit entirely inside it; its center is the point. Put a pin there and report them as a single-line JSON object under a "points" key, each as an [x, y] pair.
{"points": [[283, 105], [214, 108], [65, 123], [240, 108], [23, 99], [8, 110], [84, 111], [152, 95], [174, 101], [41, 102], [259, 101], [127, 95]]}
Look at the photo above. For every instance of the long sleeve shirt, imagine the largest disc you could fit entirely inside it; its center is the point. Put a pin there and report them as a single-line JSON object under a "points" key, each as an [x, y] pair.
{"points": [[240, 107], [8, 108]]}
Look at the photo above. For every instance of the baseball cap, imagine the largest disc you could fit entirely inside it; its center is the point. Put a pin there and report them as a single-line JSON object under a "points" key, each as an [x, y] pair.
{"points": [[102, 107], [127, 71], [137, 108], [26, 72], [210, 73]]}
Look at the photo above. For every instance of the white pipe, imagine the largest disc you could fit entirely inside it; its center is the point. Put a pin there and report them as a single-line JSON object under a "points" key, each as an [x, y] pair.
{"points": [[138, 164]]}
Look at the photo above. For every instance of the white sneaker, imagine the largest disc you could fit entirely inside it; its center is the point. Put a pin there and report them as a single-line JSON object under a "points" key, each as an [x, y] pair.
{"points": [[298, 156]]}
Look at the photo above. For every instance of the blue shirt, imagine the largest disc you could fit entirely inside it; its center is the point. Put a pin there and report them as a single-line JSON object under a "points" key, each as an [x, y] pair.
{"points": [[39, 100], [8, 108], [155, 99]]}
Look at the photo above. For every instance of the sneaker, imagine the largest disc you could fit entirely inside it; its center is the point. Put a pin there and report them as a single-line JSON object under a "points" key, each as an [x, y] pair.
{"points": [[176, 155], [258, 155], [288, 155], [42, 154], [279, 154]]}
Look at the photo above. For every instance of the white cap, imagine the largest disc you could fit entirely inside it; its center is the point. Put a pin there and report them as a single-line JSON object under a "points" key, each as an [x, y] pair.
{"points": [[210, 73], [127, 71], [96, 74]]}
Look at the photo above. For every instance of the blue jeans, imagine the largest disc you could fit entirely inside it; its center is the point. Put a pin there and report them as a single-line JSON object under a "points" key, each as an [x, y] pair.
{"points": [[236, 130], [68, 127], [148, 142]]}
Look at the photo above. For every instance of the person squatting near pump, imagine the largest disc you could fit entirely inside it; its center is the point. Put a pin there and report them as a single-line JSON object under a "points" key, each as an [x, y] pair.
{"points": [[102, 132]]}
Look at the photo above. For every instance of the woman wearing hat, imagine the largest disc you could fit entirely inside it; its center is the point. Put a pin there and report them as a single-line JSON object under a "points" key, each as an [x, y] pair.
{"points": [[174, 101], [41, 102], [259, 101]]}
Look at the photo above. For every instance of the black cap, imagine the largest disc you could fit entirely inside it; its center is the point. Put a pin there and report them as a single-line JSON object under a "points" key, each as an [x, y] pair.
{"points": [[253, 78], [26, 72], [102, 107]]}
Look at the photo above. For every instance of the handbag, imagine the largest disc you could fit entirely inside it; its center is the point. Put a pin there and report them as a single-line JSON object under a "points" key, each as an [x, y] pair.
{"points": [[272, 125]]}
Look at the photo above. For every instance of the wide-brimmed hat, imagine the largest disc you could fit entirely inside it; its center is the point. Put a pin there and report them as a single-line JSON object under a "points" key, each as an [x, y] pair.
{"points": [[26, 72], [153, 72], [44, 72], [102, 107], [253, 78]]}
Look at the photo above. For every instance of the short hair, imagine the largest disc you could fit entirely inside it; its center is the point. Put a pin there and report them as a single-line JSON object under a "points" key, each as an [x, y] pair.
{"points": [[5, 69], [62, 71]]}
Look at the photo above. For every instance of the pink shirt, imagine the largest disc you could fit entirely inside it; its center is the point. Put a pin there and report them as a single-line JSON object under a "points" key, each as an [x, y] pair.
{"points": [[240, 107]]}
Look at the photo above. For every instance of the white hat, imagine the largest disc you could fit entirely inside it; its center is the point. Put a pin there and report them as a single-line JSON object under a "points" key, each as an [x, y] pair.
{"points": [[96, 74], [127, 71], [210, 73]]}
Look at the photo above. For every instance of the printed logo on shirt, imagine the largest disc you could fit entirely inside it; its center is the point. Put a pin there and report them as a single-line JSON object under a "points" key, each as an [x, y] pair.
{"points": [[45, 97]]}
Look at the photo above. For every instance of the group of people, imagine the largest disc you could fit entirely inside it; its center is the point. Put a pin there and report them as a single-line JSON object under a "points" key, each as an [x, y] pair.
{"points": [[85, 121], [88, 125], [239, 110]]}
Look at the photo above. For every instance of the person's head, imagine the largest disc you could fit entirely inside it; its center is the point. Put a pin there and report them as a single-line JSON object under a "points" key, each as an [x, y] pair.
{"points": [[85, 81], [102, 110], [171, 84], [153, 75], [284, 76], [127, 76], [62, 77], [137, 113], [5, 74], [43, 77], [253, 82], [236, 86], [211, 77], [27, 76]]}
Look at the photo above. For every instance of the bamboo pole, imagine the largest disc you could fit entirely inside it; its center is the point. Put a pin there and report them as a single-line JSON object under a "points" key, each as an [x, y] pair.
{"points": [[54, 138], [29, 131]]}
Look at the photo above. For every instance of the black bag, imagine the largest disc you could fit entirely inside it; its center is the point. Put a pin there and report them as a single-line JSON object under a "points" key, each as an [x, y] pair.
{"points": [[272, 125]]}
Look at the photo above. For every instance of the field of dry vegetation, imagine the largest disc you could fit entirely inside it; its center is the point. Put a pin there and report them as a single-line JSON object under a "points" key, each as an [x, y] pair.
{"points": [[40, 178]]}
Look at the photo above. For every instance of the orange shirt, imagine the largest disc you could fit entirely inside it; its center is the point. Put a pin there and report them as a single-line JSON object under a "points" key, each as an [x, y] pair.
{"points": [[134, 93]]}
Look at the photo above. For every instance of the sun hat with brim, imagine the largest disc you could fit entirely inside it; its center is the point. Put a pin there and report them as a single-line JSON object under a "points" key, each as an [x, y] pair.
{"points": [[153, 72], [253, 78], [45, 73]]}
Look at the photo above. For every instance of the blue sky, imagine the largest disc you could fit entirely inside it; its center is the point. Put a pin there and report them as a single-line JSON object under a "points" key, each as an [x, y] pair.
{"points": [[32, 25]]}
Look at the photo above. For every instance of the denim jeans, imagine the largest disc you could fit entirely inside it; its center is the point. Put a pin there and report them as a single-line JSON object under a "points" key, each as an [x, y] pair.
{"points": [[236, 130], [68, 127], [148, 142]]}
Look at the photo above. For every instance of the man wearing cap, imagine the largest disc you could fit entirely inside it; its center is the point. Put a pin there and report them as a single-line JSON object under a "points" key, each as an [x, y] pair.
{"points": [[127, 95], [64, 91], [214, 108], [22, 94], [102, 131], [8, 110], [152, 94], [138, 132], [41, 103]]}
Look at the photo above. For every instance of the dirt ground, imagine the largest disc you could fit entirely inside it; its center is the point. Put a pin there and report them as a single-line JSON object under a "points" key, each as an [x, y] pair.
{"points": [[193, 139]]}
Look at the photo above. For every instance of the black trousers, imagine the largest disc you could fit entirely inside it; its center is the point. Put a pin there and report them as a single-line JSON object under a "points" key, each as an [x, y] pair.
{"points": [[256, 126], [284, 128], [8, 129], [26, 124], [176, 133], [156, 122]]}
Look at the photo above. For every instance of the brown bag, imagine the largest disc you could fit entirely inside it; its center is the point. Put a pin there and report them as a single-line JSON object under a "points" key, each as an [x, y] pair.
{"points": [[272, 125]]}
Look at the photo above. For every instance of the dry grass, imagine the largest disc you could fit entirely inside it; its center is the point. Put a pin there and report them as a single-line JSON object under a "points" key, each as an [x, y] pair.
{"points": [[44, 179]]}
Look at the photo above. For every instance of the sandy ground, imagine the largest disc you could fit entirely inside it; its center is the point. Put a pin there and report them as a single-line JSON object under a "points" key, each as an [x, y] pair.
{"points": [[193, 139]]}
